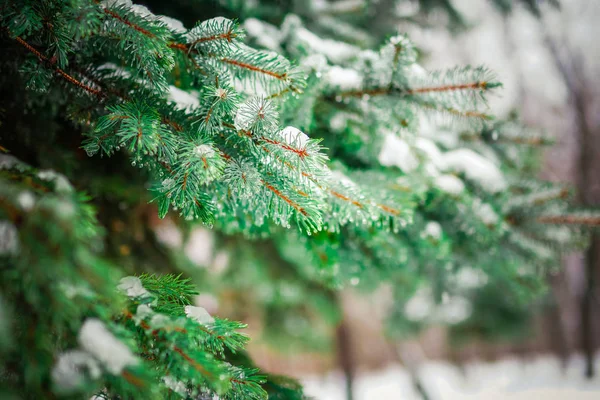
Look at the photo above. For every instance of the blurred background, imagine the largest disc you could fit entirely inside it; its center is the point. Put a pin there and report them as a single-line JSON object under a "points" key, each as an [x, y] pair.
{"points": [[549, 66]]}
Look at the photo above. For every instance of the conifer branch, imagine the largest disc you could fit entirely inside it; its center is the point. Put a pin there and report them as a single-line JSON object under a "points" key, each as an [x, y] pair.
{"points": [[590, 220], [521, 140], [228, 36], [283, 197], [254, 68], [58, 70], [393, 90], [138, 28]]}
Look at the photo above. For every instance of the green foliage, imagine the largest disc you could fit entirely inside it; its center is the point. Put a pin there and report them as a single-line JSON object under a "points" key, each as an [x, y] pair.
{"points": [[403, 178]]}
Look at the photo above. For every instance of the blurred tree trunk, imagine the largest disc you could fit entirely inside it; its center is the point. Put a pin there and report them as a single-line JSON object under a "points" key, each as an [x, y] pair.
{"points": [[581, 99], [345, 359]]}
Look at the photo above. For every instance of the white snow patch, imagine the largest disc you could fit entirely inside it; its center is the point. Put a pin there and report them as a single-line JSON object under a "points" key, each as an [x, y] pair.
{"points": [[204, 150], [173, 24], [112, 3], [396, 152], [7, 161], [485, 212], [450, 184], [337, 52], [132, 287], [338, 176], [220, 263], [9, 239], [97, 340], [343, 78], [61, 184], [207, 301], [175, 385], [117, 71], [26, 200], [431, 151], [182, 99], [143, 311], [469, 278], [199, 314], [433, 230], [476, 168], [266, 35], [454, 309], [167, 232], [159, 321], [143, 11], [199, 247], [511, 378], [68, 373], [316, 62], [419, 306], [294, 136], [72, 291], [339, 121]]}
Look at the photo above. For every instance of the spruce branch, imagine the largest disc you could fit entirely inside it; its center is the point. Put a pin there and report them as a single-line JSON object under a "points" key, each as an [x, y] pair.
{"points": [[572, 219], [46, 61]]}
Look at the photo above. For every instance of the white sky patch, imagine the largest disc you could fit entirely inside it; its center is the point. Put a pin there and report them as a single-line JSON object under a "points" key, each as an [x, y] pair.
{"points": [[450, 184], [199, 314], [396, 152], [182, 99], [343, 78], [476, 168], [132, 287], [97, 340], [68, 373], [294, 136]]}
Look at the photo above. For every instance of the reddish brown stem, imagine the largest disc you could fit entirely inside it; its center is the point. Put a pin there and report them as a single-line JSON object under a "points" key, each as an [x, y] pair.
{"points": [[285, 198], [129, 23], [570, 220], [59, 71], [254, 68]]}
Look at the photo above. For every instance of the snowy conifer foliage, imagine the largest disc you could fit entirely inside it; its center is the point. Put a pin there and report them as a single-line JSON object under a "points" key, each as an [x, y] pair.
{"points": [[317, 161]]}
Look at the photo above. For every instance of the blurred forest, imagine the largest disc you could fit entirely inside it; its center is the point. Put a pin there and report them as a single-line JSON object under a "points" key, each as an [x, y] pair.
{"points": [[549, 68]]}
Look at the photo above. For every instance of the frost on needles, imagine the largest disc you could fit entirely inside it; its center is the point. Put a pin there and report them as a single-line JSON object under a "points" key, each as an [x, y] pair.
{"points": [[352, 166]]}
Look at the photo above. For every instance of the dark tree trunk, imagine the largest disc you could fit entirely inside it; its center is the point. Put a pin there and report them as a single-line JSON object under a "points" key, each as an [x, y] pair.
{"points": [[345, 359]]}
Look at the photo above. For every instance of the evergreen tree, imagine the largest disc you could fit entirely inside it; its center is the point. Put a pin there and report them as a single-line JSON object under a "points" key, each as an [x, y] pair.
{"points": [[317, 162]]}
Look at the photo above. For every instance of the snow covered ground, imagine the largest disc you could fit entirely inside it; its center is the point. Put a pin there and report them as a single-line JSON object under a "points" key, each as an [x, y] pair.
{"points": [[538, 378]]}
